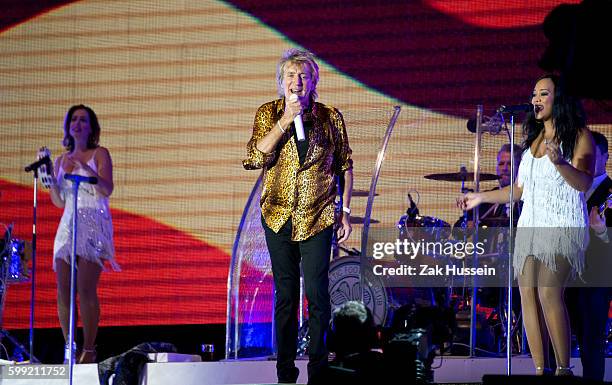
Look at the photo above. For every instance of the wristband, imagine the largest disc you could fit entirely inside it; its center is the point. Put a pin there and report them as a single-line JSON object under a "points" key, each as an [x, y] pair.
{"points": [[346, 210], [279, 126]]}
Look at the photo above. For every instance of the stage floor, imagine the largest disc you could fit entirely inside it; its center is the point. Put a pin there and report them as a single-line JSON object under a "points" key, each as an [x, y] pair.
{"points": [[451, 370]]}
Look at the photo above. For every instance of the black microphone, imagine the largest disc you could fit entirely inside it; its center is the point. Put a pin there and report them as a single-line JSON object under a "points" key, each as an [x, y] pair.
{"points": [[493, 125], [471, 125], [40, 162], [525, 107], [81, 179]]}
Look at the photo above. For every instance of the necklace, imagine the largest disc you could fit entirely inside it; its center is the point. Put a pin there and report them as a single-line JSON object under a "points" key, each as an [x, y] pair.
{"points": [[547, 140]]}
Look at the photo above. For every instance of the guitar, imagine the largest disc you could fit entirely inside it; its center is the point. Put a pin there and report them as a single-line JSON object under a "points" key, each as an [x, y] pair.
{"points": [[604, 206]]}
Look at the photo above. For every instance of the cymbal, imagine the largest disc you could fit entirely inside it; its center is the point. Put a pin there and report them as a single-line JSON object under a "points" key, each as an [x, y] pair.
{"points": [[360, 220], [361, 193], [458, 177]]}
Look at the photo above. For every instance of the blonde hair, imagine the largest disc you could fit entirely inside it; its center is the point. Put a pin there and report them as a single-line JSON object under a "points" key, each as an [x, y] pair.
{"points": [[297, 56]]}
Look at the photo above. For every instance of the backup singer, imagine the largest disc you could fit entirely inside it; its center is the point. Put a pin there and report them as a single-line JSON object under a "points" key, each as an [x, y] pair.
{"points": [[297, 202], [94, 245], [555, 171]]}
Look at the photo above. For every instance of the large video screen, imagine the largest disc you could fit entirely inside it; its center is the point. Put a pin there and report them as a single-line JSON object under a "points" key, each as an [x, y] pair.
{"points": [[176, 85]]}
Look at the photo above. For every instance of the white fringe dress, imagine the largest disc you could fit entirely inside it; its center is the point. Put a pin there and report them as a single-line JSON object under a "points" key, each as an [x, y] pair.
{"points": [[554, 219], [94, 225]]}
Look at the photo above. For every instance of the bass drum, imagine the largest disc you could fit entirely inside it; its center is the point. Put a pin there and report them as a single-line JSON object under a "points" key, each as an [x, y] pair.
{"points": [[345, 285]]}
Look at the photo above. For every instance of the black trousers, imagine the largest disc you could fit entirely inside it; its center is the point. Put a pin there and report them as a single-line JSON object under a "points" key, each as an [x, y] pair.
{"points": [[588, 309], [286, 255]]}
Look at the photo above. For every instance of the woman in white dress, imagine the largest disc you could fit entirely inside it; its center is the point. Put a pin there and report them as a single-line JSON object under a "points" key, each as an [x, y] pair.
{"points": [[85, 157], [556, 169]]}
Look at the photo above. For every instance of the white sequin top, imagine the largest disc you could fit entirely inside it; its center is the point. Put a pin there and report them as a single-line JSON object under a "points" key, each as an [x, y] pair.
{"points": [[94, 223]]}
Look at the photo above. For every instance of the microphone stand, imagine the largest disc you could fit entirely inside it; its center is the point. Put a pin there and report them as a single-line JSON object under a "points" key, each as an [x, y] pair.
{"points": [[33, 285], [70, 350], [33, 167], [476, 219], [510, 252]]}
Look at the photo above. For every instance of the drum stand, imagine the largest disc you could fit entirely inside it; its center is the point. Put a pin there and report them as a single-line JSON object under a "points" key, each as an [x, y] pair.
{"points": [[70, 350]]}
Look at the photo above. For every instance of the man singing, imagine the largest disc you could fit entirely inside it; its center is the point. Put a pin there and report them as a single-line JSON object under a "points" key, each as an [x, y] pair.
{"points": [[297, 202]]}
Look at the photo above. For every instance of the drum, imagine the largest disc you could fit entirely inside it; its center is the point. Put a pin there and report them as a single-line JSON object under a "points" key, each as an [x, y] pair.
{"points": [[424, 228], [345, 284], [17, 262], [421, 221], [493, 232]]}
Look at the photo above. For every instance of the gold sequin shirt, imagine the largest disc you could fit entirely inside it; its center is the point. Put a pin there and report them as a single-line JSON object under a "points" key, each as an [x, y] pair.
{"points": [[305, 193]]}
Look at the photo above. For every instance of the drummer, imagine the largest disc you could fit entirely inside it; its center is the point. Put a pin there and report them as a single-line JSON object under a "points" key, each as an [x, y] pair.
{"points": [[494, 214]]}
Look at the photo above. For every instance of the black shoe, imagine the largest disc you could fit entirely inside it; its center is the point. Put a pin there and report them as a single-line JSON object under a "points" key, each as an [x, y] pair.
{"points": [[288, 376]]}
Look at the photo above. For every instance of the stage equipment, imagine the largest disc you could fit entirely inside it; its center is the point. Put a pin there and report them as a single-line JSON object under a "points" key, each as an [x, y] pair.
{"points": [[42, 166], [460, 176], [417, 332], [70, 350], [360, 193], [14, 257]]}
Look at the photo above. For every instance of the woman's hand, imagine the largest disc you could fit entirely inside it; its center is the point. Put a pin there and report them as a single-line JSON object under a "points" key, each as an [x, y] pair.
{"points": [[469, 201], [578, 174], [75, 163], [554, 152]]}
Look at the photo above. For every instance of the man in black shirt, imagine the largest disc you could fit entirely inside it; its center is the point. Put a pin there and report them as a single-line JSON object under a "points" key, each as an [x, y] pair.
{"points": [[589, 304]]}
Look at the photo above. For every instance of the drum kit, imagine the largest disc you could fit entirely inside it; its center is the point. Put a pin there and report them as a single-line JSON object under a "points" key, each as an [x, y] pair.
{"points": [[14, 257], [14, 261], [491, 302]]}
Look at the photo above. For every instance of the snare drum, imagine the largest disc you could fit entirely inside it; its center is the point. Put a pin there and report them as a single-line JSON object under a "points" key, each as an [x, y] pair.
{"points": [[437, 226], [426, 228]]}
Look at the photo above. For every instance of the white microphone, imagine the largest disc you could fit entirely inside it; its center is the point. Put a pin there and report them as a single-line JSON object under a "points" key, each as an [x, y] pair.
{"points": [[297, 121]]}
